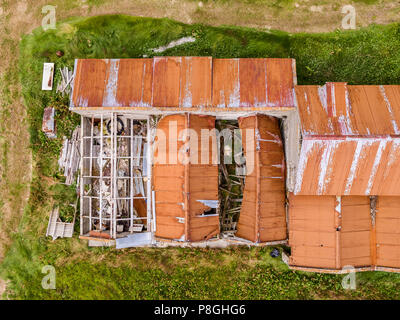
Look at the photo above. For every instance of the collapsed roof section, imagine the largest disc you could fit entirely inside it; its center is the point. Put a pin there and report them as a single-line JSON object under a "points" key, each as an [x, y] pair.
{"points": [[184, 82], [186, 190], [350, 140]]}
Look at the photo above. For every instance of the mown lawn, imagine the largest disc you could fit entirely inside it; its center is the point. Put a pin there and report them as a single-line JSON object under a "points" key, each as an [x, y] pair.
{"points": [[368, 56]]}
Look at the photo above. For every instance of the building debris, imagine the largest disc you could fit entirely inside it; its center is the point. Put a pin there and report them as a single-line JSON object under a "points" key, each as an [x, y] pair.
{"points": [[58, 229], [101, 243], [70, 156], [231, 184], [49, 125], [64, 86], [134, 240], [48, 74], [174, 43]]}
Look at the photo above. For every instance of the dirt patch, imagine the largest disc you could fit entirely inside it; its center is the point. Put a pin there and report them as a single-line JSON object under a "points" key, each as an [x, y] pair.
{"points": [[3, 287], [291, 16], [15, 154]]}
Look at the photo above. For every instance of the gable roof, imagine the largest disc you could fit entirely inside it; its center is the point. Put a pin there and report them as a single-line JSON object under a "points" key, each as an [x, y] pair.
{"points": [[184, 82]]}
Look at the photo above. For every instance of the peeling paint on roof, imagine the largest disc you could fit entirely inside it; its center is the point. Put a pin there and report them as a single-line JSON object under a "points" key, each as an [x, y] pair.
{"points": [[341, 109], [184, 82], [349, 166], [350, 140], [110, 94]]}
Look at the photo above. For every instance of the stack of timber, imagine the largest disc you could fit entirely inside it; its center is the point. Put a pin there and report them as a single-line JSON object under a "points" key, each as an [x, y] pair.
{"points": [[64, 86], [70, 156]]}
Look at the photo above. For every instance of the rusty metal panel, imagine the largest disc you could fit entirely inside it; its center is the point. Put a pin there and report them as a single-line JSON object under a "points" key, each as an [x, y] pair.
{"points": [[196, 79], [342, 110], [134, 85], [89, 83], [253, 82], [280, 82], [250, 82], [203, 181], [168, 182], [184, 82], [226, 85], [48, 124], [166, 81], [388, 232], [312, 235], [262, 216], [355, 233], [183, 190], [330, 232], [349, 166]]}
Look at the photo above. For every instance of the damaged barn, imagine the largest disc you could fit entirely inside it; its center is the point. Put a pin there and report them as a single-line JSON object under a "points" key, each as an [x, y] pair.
{"points": [[153, 164], [190, 150]]}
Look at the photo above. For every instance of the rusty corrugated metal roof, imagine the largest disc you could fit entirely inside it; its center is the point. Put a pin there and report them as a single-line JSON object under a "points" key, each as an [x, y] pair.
{"points": [[253, 83], [349, 166], [341, 109], [350, 140], [184, 82]]}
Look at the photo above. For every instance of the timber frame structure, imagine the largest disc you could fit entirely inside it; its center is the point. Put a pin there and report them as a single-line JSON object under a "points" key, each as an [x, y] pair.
{"points": [[92, 156]]}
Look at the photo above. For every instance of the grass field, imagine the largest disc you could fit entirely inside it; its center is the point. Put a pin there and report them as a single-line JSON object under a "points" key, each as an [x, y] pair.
{"points": [[368, 55]]}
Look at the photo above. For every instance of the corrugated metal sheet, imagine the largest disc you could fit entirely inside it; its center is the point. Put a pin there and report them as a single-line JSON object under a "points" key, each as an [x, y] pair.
{"points": [[169, 180], [329, 232], [388, 232], [349, 166], [341, 109], [184, 82], [355, 233], [48, 124], [350, 140], [253, 83], [312, 235], [179, 186], [262, 216]]}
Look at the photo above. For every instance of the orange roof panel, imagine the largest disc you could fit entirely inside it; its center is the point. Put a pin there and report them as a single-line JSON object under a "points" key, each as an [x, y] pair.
{"points": [[262, 216], [183, 190], [183, 82], [166, 82], [253, 82], [89, 84], [350, 140], [349, 166], [134, 86], [341, 109]]}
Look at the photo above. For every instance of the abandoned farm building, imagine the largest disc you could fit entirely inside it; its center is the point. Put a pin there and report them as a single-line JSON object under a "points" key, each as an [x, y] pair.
{"points": [[316, 166]]}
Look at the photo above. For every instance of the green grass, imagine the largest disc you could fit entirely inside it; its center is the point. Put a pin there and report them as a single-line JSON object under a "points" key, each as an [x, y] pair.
{"points": [[367, 56]]}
